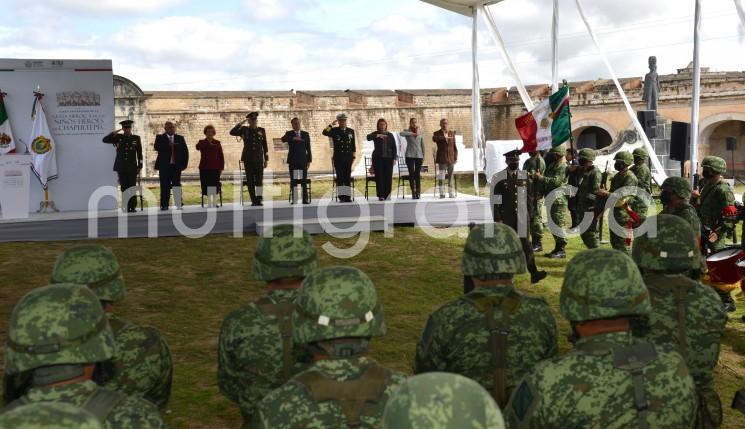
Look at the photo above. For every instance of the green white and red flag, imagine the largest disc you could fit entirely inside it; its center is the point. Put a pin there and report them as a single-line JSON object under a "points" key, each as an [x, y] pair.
{"points": [[548, 125]]}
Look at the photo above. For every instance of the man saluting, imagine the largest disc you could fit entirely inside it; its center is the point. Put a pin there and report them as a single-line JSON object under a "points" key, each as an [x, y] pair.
{"points": [[255, 154], [128, 162]]}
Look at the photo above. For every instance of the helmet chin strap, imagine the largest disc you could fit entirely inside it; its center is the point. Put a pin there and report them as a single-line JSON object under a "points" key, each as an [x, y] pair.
{"points": [[342, 348], [57, 373]]}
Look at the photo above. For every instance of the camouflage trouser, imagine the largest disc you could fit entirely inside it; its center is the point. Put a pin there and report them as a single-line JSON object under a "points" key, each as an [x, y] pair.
{"points": [[590, 236], [536, 223], [558, 215], [709, 414], [622, 218]]}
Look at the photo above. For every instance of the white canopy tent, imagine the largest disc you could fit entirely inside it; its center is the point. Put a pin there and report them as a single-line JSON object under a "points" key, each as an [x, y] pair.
{"points": [[479, 7]]}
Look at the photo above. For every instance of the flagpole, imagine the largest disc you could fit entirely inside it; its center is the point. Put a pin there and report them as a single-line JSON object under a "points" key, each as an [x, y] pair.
{"points": [[696, 92], [571, 134]]}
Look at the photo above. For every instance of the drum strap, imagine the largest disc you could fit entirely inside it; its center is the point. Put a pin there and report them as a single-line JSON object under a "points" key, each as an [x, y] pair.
{"points": [[282, 311]]}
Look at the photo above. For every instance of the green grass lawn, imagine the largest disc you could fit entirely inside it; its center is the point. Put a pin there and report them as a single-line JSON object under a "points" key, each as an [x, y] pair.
{"points": [[185, 287]]}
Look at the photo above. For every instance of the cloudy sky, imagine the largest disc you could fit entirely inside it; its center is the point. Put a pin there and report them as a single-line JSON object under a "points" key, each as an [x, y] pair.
{"points": [[362, 44]]}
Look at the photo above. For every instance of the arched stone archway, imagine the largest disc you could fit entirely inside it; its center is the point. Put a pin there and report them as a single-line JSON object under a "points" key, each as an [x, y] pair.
{"points": [[590, 133], [715, 130]]}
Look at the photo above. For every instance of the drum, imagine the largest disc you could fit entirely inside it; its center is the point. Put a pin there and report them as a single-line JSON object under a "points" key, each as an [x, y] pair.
{"points": [[722, 265], [741, 270]]}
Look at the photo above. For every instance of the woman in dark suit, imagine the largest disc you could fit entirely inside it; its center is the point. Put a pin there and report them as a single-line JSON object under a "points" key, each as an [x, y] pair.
{"points": [[383, 158], [211, 164]]}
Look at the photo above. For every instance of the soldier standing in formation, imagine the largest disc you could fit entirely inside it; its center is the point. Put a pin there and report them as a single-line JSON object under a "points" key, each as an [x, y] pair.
{"points": [[128, 162], [623, 178], [142, 361], [588, 193], [255, 352], [345, 152], [441, 400], [611, 378], [510, 191], [574, 178], [554, 179], [675, 195], [58, 334], [337, 314], [477, 335], [255, 155], [536, 164], [685, 313]]}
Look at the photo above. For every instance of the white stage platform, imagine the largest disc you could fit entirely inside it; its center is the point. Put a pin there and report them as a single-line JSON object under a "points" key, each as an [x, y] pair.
{"points": [[322, 216]]}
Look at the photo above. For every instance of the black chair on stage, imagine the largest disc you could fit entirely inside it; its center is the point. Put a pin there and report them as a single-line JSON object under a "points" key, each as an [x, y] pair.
{"points": [[219, 192], [403, 176], [440, 184], [309, 182], [139, 193], [334, 188], [369, 177]]}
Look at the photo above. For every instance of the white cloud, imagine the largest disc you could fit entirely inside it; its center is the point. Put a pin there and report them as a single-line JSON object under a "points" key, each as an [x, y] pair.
{"points": [[267, 10], [113, 6]]}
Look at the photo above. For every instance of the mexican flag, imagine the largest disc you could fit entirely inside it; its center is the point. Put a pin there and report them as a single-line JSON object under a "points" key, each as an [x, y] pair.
{"points": [[548, 125], [43, 158], [7, 142]]}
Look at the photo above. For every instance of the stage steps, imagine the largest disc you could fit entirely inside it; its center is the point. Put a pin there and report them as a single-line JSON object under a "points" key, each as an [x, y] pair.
{"points": [[336, 226]]}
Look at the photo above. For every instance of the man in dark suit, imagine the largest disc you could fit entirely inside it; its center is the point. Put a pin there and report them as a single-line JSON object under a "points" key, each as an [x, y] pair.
{"points": [[255, 155], [128, 162], [345, 151], [299, 158], [173, 158]]}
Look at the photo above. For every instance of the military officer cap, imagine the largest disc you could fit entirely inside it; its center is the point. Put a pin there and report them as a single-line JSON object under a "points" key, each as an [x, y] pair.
{"points": [[587, 154], [341, 117], [127, 123], [252, 115], [512, 154]]}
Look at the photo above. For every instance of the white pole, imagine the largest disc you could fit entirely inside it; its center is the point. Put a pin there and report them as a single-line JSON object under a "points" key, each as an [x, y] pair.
{"points": [[740, 12], [555, 48], [476, 101], [661, 174], [506, 56], [696, 95]]}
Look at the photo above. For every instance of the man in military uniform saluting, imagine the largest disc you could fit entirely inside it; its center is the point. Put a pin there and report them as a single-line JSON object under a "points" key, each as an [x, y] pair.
{"points": [[345, 152], [255, 155], [507, 211], [128, 162]]}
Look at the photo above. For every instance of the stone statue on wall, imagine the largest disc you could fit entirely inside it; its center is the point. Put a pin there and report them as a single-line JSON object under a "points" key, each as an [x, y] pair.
{"points": [[651, 85]]}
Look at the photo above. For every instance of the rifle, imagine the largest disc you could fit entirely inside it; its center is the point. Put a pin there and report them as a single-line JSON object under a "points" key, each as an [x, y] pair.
{"points": [[600, 202]]}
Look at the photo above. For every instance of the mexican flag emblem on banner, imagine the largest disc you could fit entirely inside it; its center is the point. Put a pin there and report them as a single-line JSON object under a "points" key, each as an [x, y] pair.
{"points": [[43, 158], [7, 142], [548, 125]]}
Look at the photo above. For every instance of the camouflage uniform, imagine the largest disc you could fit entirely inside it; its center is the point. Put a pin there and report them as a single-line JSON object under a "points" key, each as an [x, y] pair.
{"points": [[441, 400], [142, 361], [54, 332], [555, 178], [256, 354], [680, 187], [337, 313], [464, 336], [586, 198], [48, 416], [643, 178], [686, 313], [715, 197], [532, 165], [610, 380], [622, 180]]}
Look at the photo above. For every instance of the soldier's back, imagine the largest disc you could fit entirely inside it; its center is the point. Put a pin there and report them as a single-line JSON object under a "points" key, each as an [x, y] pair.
{"points": [[116, 410], [610, 382], [312, 398], [142, 365], [688, 214], [457, 337]]}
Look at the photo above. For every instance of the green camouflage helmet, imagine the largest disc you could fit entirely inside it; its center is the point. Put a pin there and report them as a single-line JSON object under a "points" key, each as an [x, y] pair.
{"points": [[716, 163], [493, 252], [57, 325], [439, 400], [284, 254], [678, 186], [624, 157], [641, 153], [602, 284], [48, 415], [93, 266], [674, 248], [587, 154], [337, 302], [560, 150]]}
